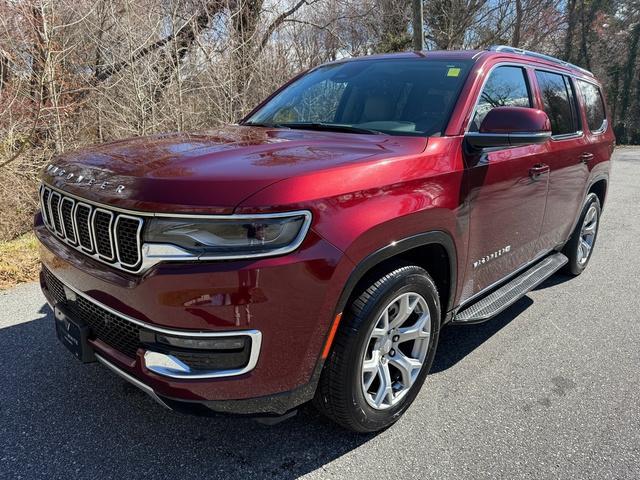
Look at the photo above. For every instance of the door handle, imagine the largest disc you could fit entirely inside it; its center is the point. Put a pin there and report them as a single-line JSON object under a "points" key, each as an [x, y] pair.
{"points": [[585, 157], [538, 170]]}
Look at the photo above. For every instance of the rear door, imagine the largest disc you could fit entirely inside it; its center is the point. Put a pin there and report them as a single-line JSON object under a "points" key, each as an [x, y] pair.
{"points": [[507, 191], [599, 142], [566, 156]]}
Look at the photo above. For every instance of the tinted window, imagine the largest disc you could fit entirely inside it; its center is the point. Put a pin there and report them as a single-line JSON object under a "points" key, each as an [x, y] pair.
{"points": [[398, 97], [505, 87], [559, 103], [593, 105]]}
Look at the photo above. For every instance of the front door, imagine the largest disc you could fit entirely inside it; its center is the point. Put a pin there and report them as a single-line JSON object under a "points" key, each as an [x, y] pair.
{"points": [[507, 192]]}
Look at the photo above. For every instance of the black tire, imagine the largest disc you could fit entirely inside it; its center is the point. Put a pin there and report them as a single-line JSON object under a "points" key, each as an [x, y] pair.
{"points": [[576, 266], [340, 394]]}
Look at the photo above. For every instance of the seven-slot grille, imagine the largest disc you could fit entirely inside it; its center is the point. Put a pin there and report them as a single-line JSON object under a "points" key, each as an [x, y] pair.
{"points": [[108, 236]]}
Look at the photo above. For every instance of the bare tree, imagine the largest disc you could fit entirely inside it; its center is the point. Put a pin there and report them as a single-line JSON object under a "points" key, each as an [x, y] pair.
{"points": [[75, 72]]}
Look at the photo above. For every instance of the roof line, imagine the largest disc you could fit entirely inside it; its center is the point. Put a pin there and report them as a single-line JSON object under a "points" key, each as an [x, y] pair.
{"points": [[542, 56]]}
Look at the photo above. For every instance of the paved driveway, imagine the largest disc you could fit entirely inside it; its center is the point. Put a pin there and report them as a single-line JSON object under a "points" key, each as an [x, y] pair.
{"points": [[549, 389]]}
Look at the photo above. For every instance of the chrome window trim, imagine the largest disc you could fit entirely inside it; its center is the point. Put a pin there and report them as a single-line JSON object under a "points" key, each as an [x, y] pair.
{"points": [[602, 129], [138, 239], [484, 82], [514, 135], [253, 334], [567, 136], [111, 234], [529, 63], [605, 122], [576, 104]]}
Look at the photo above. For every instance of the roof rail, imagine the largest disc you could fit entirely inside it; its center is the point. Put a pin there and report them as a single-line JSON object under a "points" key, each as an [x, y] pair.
{"points": [[549, 58]]}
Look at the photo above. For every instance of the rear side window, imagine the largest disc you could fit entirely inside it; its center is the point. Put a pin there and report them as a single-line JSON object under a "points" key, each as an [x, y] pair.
{"points": [[593, 105], [506, 87], [558, 99]]}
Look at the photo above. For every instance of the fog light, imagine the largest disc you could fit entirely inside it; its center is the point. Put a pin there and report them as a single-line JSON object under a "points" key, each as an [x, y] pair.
{"points": [[218, 343]]}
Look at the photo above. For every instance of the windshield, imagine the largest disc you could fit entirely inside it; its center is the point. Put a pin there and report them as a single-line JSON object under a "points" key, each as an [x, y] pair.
{"points": [[396, 97]]}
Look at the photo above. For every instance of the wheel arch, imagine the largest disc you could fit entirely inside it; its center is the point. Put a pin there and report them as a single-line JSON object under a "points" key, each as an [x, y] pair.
{"points": [[599, 186], [434, 251]]}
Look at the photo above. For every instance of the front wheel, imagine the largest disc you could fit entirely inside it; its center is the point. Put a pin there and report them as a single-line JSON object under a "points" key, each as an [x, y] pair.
{"points": [[383, 351], [580, 246]]}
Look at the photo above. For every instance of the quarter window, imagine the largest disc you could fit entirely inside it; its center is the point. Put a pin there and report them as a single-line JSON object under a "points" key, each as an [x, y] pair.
{"points": [[505, 87], [558, 99], [593, 105]]}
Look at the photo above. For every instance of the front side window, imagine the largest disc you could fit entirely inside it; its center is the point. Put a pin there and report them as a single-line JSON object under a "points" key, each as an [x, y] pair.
{"points": [[396, 97], [505, 87], [593, 105], [558, 99]]}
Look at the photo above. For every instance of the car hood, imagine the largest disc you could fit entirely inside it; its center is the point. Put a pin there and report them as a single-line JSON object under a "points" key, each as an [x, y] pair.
{"points": [[211, 171]]}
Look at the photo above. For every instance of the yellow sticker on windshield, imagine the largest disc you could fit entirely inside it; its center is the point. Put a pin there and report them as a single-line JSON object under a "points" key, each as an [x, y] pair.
{"points": [[453, 72]]}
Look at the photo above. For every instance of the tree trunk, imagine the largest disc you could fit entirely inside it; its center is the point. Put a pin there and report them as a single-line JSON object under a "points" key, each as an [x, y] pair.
{"points": [[4, 71], [517, 27], [571, 26], [629, 70]]}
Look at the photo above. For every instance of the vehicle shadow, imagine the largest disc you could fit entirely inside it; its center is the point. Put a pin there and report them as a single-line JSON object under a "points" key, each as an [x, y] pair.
{"points": [[553, 280], [458, 341], [62, 419]]}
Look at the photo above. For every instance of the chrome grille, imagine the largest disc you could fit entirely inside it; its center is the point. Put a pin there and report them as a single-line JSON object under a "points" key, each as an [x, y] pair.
{"points": [[54, 209], [102, 223], [103, 234], [83, 224], [44, 201], [66, 215]]}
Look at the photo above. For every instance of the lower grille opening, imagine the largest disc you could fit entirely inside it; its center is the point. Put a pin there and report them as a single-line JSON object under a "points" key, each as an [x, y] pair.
{"points": [[207, 353], [116, 332]]}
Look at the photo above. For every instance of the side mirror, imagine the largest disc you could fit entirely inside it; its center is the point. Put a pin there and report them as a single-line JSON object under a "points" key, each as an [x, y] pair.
{"points": [[511, 127]]}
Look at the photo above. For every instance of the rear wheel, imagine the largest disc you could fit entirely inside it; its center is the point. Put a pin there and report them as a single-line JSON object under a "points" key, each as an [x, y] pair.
{"points": [[383, 351], [580, 246]]}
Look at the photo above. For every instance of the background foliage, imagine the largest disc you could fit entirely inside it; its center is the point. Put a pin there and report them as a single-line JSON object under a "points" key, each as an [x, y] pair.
{"points": [[76, 72]]}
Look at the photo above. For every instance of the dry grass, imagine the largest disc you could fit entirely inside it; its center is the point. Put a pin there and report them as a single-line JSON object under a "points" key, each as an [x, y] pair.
{"points": [[19, 261], [18, 197]]}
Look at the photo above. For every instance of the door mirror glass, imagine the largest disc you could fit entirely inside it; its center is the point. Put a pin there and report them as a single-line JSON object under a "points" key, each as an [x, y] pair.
{"points": [[511, 127]]}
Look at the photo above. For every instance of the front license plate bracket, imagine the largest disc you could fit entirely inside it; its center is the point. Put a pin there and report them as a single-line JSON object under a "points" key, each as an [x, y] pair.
{"points": [[74, 335]]}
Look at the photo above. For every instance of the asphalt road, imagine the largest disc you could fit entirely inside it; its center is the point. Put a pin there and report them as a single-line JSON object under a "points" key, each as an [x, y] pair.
{"points": [[549, 389]]}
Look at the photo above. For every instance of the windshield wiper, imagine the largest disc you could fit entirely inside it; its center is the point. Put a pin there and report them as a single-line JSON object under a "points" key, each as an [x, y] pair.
{"points": [[330, 127], [267, 125]]}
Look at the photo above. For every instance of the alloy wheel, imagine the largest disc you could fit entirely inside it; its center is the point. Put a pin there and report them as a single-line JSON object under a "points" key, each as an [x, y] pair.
{"points": [[587, 234], [396, 350]]}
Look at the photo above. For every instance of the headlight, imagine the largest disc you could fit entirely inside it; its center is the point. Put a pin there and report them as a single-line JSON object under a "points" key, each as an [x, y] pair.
{"points": [[232, 237]]}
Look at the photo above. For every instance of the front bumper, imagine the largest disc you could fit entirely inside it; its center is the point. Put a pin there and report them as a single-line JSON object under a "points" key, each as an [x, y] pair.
{"points": [[286, 303]]}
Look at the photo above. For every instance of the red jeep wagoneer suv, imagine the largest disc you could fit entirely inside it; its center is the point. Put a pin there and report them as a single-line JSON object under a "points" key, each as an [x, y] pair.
{"points": [[315, 250]]}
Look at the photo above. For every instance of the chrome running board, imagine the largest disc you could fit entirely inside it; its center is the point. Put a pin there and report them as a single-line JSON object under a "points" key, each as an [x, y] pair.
{"points": [[505, 296]]}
